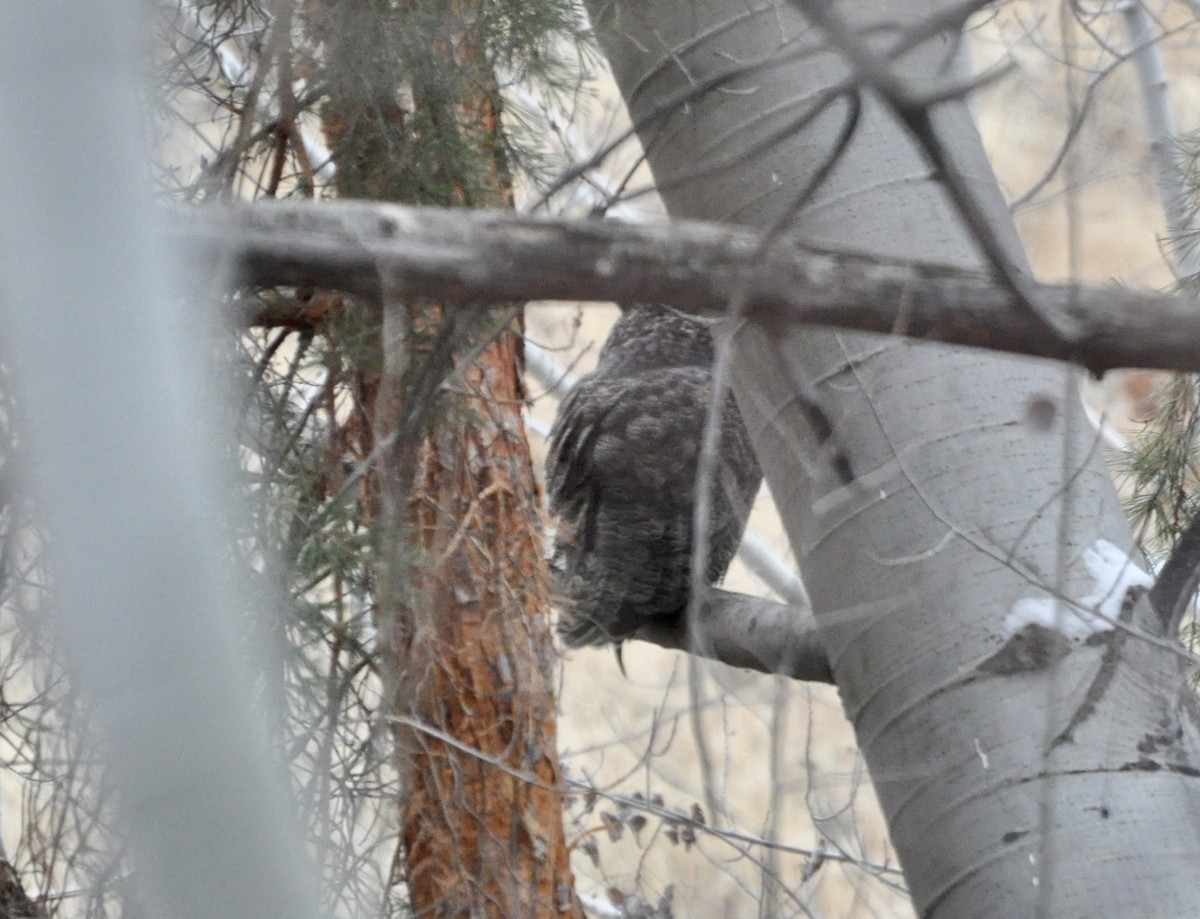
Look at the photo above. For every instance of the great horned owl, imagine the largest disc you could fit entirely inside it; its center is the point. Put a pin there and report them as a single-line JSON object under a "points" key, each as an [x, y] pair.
{"points": [[621, 473]]}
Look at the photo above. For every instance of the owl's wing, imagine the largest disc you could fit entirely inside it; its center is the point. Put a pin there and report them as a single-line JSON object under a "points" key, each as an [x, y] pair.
{"points": [[572, 479], [633, 439]]}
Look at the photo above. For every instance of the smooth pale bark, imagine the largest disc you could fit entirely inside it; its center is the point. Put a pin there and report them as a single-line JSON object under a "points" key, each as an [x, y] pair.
{"points": [[1030, 779], [750, 632]]}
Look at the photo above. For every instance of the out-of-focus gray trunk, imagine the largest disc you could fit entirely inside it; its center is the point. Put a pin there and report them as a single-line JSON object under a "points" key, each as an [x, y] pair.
{"points": [[1033, 778], [119, 443]]}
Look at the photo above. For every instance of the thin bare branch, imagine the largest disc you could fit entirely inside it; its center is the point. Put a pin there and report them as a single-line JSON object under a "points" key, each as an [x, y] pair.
{"points": [[1143, 34]]}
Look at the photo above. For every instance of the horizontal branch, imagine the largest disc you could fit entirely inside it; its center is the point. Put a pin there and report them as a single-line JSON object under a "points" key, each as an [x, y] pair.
{"points": [[462, 255], [750, 632]]}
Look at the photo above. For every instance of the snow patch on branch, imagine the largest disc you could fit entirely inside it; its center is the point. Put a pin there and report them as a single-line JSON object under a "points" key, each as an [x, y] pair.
{"points": [[1113, 574], [598, 907]]}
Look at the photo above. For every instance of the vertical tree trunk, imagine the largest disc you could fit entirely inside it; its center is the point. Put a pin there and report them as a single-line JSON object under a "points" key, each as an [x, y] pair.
{"points": [[466, 648], [481, 817], [1020, 773]]}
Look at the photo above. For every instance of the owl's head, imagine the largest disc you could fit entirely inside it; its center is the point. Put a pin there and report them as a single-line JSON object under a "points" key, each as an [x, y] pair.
{"points": [[655, 336]]}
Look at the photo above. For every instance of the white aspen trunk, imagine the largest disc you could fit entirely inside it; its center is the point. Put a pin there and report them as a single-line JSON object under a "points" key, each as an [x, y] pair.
{"points": [[1020, 776]]}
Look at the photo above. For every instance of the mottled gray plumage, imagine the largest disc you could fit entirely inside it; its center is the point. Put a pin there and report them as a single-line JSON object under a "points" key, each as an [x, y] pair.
{"points": [[621, 472]]}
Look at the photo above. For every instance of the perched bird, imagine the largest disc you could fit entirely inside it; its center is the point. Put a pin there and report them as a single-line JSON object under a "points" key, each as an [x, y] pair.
{"points": [[621, 478]]}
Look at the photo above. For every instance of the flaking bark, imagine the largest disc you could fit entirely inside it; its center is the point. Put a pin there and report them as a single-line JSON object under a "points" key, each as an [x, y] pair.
{"points": [[464, 642]]}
